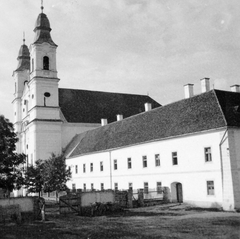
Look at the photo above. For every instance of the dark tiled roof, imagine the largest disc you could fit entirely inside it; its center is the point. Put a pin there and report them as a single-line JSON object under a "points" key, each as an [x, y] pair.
{"points": [[85, 106], [211, 110], [42, 30], [23, 59]]}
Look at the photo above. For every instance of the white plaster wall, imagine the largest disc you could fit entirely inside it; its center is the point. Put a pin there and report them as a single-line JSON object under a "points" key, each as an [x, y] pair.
{"points": [[192, 170], [69, 130], [234, 167], [45, 139]]}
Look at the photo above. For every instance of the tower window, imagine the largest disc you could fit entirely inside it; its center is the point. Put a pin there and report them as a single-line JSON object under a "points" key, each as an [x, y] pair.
{"points": [[45, 63], [32, 64]]}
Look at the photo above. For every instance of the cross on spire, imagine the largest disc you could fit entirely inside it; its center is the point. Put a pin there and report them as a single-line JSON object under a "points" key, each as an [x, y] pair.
{"points": [[42, 5]]}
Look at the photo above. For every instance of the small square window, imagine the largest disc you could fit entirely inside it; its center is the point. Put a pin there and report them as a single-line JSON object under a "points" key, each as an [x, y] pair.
{"points": [[157, 160], [208, 154], [102, 186], [91, 167], [145, 187], [144, 161], [115, 186], [159, 187], [115, 164], [129, 162], [210, 187], [174, 158]]}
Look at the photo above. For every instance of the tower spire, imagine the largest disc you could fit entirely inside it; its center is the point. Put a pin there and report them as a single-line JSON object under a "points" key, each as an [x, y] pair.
{"points": [[42, 5], [23, 38]]}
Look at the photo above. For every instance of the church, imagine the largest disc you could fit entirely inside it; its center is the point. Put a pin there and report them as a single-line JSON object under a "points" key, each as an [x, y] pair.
{"points": [[47, 117], [126, 141]]}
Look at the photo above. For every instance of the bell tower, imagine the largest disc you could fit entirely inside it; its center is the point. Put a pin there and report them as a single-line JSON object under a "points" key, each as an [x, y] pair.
{"points": [[21, 77], [44, 122]]}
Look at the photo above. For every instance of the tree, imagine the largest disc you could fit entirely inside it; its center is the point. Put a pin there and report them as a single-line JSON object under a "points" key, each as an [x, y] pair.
{"points": [[33, 179], [11, 163], [55, 174], [47, 175]]}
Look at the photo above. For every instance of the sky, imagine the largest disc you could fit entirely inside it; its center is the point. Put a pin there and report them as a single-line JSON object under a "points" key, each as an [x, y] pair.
{"points": [[150, 47]]}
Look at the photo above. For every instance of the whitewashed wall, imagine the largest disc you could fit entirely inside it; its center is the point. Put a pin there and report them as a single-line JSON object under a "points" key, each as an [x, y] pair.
{"points": [[192, 171]]}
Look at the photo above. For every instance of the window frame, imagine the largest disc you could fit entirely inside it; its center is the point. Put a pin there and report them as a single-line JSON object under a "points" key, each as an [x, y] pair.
{"points": [[157, 160], [76, 169], [145, 187], [129, 163], [115, 166], [101, 166], [46, 63], [115, 186], [130, 186], [208, 155], [102, 186], [84, 168], [210, 188], [91, 167], [159, 188], [144, 161], [174, 157]]}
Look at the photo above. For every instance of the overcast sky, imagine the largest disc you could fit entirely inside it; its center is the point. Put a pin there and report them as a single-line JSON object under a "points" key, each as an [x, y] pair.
{"points": [[130, 46]]}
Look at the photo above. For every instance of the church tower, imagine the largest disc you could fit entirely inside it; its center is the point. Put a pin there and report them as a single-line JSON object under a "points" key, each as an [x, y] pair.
{"points": [[36, 102], [21, 77]]}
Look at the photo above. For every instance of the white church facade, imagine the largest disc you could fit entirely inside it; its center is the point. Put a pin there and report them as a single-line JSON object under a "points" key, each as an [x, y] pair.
{"points": [[47, 117], [191, 146]]}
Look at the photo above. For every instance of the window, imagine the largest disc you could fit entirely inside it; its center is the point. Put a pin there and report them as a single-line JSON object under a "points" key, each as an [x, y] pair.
{"points": [[174, 158], [92, 187], [115, 164], [145, 187], [130, 186], [144, 161], [101, 166], [32, 64], [157, 160], [76, 169], [129, 161], [210, 187], [84, 187], [159, 187], [74, 187], [115, 186], [208, 154], [84, 168], [91, 167], [102, 186], [45, 63]]}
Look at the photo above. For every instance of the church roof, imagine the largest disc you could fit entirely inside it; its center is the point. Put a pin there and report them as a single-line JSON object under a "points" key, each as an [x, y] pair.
{"points": [[42, 30], [84, 106], [23, 58], [211, 110]]}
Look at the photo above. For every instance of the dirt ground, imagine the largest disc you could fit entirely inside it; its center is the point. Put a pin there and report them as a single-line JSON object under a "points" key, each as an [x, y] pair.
{"points": [[165, 221]]}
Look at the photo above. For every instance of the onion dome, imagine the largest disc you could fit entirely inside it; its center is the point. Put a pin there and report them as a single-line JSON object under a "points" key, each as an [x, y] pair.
{"points": [[42, 30], [23, 58]]}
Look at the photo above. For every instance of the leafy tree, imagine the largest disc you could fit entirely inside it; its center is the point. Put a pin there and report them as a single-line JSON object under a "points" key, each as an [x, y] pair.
{"points": [[11, 171], [33, 180], [55, 174], [47, 175]]}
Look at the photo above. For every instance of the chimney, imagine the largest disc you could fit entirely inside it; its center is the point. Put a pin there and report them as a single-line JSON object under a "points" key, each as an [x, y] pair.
{"points": [[148, 106], [205, 84], [104, 122], [188, 90], [235, 88], [119, 117]]}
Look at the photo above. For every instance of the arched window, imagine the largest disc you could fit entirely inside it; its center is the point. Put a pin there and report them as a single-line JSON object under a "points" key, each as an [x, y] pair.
{"points": [[45, 63]]}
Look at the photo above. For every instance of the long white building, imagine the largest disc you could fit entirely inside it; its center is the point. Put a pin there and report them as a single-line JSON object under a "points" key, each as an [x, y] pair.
{"points": [[192, 147]]}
